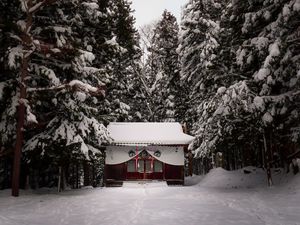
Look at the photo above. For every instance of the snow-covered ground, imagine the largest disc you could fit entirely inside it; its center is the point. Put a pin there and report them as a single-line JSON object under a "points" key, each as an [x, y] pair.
{"points": [[219, 198]]}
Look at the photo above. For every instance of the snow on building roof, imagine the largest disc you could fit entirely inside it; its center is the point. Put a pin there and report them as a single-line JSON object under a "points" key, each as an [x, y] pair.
{"points": [[148, 134]]}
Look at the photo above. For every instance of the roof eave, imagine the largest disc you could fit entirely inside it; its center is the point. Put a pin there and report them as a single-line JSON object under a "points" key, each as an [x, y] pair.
{"points": [[147, 144]]}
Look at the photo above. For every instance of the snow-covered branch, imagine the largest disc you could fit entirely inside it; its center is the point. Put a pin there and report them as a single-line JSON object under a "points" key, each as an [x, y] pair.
{"points": [[40, 4], [74, 85]]}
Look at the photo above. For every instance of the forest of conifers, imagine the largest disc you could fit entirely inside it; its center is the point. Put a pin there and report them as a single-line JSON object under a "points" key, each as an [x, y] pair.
{"points": [[229, 70]]}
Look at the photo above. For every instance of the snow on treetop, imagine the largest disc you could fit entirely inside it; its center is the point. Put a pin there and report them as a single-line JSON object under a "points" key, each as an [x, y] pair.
{"points": [[148, 134]]}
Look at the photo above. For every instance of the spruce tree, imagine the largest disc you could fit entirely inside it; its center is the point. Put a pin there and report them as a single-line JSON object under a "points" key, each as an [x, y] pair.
{"points": [[64, 88], [164, 65], [198, 47], [125, 95], [252, 101]]}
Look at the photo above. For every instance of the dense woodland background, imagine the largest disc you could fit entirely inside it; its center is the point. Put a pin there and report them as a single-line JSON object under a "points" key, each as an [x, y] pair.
{"points": [[230, 71]]}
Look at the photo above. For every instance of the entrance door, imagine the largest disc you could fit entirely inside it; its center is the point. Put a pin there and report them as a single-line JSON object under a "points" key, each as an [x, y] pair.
{"points": [[144, 167]]}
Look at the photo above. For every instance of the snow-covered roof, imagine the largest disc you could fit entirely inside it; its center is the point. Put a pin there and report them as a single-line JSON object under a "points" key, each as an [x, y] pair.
{"points": [[148, 134]]}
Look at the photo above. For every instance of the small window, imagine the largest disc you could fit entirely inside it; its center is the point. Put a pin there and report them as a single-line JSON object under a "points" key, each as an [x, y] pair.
{"points": [[131, 153], [157, 153], [158, 167], [131, 166]]}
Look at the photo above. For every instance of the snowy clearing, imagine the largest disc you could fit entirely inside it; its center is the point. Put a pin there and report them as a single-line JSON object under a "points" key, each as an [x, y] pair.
{"points": [[219, 198]]}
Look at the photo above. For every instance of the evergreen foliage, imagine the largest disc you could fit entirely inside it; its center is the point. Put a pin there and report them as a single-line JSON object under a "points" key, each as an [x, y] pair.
{"points": [[245, 97], [125, 96], [164, 68], [231, 71]]}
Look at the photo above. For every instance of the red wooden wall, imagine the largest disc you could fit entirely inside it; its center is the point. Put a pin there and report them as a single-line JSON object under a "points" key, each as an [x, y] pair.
{"points": [[119, 173]]}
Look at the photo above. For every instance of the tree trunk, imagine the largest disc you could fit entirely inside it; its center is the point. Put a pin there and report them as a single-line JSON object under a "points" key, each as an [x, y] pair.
{"points": [[77, 175], [86, 173], [63, 178], [94, 184], [26, 41], [73, 176], [267, 161], [59, 179]]}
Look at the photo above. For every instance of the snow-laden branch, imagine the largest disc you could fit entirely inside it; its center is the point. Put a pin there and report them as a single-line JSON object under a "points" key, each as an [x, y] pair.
{"points": [[86, 131], [35, 7], [39, 5], [74, 85], [281, 97], [30, 117], [24, 5]]}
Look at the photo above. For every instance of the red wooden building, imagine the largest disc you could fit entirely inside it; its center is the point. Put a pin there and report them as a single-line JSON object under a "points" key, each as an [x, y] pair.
{"points": [[146, 151]]}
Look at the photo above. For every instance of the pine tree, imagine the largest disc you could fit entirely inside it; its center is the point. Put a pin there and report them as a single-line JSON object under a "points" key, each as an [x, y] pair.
{"points": [[125, 95], [252, 101], [198, 47], [64, 88], [9, 15], [270, 56], [163, 61]]}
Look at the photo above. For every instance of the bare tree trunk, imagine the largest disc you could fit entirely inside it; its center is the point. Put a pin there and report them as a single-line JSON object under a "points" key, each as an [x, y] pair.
{"points": [[267, 161], [26, 42], [73, 176], [19, 141], [93, 176], [63, 178], [77, 175], [86, 173], [59, 179], [27, 185]]}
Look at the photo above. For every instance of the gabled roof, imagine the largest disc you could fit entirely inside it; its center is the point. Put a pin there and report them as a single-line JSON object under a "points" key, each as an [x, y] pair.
{"points": [[148, 134]]}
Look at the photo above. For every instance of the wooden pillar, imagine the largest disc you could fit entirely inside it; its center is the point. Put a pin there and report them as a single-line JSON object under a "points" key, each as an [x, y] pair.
{"points": [[104, 175], [164, 171], [182, 175]]}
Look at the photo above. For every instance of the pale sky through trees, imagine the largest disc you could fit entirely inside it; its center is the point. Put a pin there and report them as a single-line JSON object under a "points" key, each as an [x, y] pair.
{"points": [[149, 10]]}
